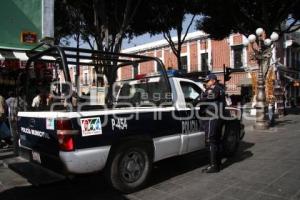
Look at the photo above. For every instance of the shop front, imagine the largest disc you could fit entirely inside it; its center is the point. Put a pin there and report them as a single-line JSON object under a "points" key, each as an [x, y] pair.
{"points": [[12, 64]]}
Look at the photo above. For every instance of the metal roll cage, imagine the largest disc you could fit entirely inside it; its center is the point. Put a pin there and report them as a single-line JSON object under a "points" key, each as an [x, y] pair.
{"points": [[87, 57]]}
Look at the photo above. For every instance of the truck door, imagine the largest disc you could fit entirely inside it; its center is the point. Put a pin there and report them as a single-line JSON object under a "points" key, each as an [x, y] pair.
{"points": [[191, 124]]}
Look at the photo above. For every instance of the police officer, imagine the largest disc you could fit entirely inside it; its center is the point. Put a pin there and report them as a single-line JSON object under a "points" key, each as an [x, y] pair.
{"points": [[214, 96]]}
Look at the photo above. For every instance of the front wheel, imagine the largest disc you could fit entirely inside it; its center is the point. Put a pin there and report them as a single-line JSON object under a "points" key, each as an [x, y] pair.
{"points": [[231, 138], [129, 167]]}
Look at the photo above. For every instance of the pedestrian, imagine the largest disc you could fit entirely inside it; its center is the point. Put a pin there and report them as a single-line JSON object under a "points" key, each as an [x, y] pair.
{"points": [[11, 103], [5, 135], [228, 100], [36, 101], [271, 111], [21, 104], [214, 95], [40, 100]]}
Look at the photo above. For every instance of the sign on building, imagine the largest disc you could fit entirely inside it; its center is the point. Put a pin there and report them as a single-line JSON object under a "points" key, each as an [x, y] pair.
{"points": [[25, 22]]}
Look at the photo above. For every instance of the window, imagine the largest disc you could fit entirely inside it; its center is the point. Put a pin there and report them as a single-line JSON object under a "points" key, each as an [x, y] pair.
{"points": [[148, 89], [190, 91], [294, 58], [204, 61], [85, 78], [74, 76], [288, 57], [135, 70], [183, 62], [237, 56], [85, 67], [298, 60], [94, 75]]}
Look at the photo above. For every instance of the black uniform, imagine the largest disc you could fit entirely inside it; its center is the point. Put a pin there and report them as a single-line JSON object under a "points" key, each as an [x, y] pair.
{"points": [[215, 98]]}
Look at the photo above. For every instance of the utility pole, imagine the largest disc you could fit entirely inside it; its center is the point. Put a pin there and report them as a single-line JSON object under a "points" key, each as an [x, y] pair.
{"points": [[224, 74]]}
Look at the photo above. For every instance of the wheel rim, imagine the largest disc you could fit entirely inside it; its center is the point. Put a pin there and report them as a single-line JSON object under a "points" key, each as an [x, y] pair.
{"points": [[132, 166]]}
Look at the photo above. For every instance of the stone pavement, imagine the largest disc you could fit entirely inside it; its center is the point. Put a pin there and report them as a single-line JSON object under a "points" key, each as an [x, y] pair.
{"points": [[266, 167], [8, 178]]}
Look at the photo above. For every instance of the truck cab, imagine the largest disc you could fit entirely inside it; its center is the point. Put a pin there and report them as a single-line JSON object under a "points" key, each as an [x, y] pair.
{"points": [[125, 124]]}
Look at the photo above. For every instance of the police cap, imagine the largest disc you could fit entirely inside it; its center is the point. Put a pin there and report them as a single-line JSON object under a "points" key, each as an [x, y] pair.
{"points": [[211, 77]]}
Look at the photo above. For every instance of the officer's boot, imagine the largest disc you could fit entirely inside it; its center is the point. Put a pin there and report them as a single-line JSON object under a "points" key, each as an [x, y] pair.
{"points": [[214, 165]]}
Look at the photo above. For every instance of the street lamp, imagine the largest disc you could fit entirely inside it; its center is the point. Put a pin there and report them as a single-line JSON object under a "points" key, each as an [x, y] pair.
{"points": [[262, 48]]}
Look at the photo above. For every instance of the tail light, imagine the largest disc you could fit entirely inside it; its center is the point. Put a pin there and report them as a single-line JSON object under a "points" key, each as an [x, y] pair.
{"points": [[65, 134], [63, 124], [65, 142]]}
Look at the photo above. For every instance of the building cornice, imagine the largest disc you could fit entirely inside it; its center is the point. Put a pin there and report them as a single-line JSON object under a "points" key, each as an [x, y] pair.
{"points": [[163, 43]]}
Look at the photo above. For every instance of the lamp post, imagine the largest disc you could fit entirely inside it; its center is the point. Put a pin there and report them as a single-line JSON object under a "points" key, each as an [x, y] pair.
{"points": [[262, 48]]}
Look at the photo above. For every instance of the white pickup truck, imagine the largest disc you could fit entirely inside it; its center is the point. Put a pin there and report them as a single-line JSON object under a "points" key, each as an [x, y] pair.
{"points": [[151, 117]]}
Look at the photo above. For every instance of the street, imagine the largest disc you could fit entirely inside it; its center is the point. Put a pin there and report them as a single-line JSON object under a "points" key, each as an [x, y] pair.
{"points": [[267, 166]]}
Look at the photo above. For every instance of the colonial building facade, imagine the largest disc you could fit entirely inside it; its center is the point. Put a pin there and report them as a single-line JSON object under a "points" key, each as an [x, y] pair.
{"points": [[201, 53]]}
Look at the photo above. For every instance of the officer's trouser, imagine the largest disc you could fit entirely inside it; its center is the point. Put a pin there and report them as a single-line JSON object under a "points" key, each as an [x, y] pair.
{"points": [[212, 131], [212, 136]]}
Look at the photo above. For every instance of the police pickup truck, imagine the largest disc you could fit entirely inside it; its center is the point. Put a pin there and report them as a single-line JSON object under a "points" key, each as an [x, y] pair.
{"points": [[138, 115]]}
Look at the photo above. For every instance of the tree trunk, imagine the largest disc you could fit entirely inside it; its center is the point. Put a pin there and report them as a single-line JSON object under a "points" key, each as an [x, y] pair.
{"points": [[178, 57], [180, 40], [179, 45], [77, 76]]}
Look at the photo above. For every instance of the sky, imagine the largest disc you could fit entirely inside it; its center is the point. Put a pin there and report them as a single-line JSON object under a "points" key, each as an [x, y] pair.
{"points": [[146, 38]]}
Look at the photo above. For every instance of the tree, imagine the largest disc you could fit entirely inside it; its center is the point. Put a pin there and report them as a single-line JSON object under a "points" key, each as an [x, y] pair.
{"points": [[244, 16], [104, 22], [68, 23], [168, 15], [221, 18], [108, 22]]}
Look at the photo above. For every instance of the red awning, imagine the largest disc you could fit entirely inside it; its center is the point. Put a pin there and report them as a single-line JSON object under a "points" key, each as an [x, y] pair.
{"points": [[13, 59]]}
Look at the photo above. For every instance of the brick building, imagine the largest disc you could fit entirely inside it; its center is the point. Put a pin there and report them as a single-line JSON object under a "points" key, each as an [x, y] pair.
{"points": [[201, 53]]}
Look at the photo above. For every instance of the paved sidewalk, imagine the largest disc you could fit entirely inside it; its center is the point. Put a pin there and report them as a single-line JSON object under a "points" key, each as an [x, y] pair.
{"points": [[8, 178], [266, 167]]}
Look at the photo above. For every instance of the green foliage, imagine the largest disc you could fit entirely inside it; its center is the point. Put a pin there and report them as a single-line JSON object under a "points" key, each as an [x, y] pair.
{"points": [[163, 16], [245, 16], [107, 22], [66, 22]]}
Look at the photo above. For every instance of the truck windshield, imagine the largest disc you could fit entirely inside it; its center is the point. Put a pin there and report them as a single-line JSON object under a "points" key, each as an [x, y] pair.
{"points": [[72, 79]]}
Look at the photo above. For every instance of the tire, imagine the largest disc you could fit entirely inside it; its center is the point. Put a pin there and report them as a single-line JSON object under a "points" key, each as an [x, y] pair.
{"points": [[230, 141], [129, 167], [242, 131]]}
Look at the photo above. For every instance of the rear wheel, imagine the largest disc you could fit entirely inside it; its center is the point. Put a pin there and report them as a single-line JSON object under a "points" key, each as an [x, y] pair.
{"points": [[129, 167]]}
